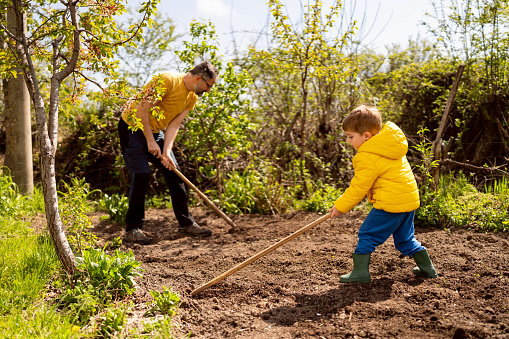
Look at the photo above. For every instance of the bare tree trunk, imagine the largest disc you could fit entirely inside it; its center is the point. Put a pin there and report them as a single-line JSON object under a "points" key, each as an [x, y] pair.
{"points": [[18, 153], [303, 133], [47, 142]]}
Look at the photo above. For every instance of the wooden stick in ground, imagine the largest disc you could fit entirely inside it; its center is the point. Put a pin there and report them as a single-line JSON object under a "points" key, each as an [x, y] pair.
{"points": [[437, 144], [259, 255], [210, 203]]}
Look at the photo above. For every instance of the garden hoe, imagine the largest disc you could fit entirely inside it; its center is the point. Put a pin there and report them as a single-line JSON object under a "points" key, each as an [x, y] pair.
{"points": [[210, 203], [259, 255]]}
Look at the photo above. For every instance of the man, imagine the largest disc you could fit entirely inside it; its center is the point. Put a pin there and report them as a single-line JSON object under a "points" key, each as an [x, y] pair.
{"points": [[172, 96]]}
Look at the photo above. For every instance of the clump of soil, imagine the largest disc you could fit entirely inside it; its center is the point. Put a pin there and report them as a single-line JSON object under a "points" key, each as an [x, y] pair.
{"points": [[294, 291]]}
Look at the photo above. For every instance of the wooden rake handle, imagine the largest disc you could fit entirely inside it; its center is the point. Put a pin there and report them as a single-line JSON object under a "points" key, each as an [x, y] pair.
{"points": [[210, 203], [259, 255]]}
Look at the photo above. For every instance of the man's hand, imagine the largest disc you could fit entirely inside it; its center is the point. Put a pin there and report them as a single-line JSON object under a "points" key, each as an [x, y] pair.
{"points": [[153, 148], [168, 162], [334, 212]]}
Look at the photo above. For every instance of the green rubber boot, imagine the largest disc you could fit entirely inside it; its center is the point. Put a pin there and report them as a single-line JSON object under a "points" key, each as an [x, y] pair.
{"points": [[425, 266], [360, 272]]}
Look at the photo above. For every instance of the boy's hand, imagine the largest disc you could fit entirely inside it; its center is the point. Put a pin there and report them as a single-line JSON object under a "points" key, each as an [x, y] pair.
{"points": [[334, 212]]}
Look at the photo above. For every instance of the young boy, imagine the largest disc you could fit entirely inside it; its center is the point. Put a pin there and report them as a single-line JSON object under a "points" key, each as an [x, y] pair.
{"points": [[383, 173]]}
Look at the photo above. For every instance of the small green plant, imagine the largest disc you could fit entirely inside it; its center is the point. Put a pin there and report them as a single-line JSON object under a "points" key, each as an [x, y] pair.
{"points": [[74, 212], [117, 242], [112, 321], [113, 275], [116, 206], [160, 329], [165, 302], [81, 302]]}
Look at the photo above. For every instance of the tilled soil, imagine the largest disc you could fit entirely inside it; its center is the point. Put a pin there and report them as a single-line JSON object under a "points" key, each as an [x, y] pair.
{"points": [[294, 291]]}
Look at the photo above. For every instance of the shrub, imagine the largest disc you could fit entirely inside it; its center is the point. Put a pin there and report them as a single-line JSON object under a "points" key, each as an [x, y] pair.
{"points": [[457, 203]]}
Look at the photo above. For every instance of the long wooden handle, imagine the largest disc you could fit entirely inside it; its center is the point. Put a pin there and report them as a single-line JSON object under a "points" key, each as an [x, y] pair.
{"points": [[259, 255], [210, 203]]}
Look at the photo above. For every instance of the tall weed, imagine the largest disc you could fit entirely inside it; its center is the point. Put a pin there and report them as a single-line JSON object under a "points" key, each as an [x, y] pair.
{"points": [[75, 206]]}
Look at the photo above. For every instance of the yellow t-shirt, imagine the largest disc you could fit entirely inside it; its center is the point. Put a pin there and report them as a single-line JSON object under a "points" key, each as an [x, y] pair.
{"points": [[175, 98]]}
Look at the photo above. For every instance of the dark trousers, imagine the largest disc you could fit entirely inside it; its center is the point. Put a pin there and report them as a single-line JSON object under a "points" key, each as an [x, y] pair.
{"points": [[136, 157]]}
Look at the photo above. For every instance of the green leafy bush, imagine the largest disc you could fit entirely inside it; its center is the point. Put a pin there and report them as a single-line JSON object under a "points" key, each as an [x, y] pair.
{"points": [[112, 275], [256, 191], [116, 206], [321, 199]]}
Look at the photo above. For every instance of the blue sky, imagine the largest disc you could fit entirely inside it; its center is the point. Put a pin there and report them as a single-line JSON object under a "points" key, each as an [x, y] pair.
{"points": [[391, 21]]}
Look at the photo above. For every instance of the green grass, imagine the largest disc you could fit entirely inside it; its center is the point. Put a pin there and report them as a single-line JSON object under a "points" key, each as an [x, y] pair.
{"points": [[27, 263]]}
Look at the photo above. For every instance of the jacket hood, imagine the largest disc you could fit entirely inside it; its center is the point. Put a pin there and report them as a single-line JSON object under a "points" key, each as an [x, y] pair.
{"points": [[390, 142]]}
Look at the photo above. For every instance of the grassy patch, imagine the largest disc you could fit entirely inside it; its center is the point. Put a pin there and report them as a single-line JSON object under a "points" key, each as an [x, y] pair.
{"points": [[457, 203]]}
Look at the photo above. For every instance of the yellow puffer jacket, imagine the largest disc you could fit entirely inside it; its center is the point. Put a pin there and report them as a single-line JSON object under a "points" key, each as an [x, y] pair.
{"points": [[383, 173]]}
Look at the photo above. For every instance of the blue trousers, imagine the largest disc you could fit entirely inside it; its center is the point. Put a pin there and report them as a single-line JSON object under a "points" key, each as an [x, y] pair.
{"points": [[378, 227], [136, 157]]}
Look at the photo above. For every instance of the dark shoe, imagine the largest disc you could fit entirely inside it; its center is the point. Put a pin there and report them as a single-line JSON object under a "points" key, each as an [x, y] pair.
{"points": [[137, 236], [194, 229], [425, 266], [360, 271]]}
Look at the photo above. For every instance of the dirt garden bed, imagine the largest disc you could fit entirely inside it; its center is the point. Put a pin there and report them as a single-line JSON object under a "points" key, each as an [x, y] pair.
{"points": [[295, 292]]}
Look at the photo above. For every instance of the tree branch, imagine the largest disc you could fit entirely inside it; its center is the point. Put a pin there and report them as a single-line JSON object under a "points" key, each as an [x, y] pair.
{"points": [[498, 169]]}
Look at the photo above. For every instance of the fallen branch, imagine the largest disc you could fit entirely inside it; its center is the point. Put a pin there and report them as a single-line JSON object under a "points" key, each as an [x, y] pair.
{"points": [[498, 169]]}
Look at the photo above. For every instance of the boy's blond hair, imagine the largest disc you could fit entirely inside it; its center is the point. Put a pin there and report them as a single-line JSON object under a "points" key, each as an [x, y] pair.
{"points": [[363, 119]]}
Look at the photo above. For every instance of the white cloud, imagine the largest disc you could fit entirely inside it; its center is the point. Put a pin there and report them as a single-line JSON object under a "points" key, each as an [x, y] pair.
{"points": [[213, 8]]}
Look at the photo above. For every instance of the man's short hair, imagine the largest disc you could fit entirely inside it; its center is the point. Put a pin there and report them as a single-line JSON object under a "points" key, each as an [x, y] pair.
{"points": [[206, 70], [363, 119]]}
